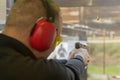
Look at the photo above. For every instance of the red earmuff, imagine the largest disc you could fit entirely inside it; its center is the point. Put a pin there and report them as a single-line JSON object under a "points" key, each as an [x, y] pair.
{"points": [[43, 35]]}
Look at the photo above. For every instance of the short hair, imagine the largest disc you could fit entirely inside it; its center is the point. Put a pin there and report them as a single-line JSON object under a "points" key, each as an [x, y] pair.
{"points": [[25, 13]]}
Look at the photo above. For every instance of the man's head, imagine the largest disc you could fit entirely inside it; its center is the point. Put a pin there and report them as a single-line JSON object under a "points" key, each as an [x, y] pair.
{"points": [[23, 16]]}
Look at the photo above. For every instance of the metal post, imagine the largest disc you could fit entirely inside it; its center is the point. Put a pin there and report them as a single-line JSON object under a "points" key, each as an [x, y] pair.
{"points": [[81, 21], [81, 14], [104, 52]]}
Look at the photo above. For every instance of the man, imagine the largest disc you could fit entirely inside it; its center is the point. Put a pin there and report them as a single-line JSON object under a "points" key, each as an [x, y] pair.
{"points": [[20, 59]]}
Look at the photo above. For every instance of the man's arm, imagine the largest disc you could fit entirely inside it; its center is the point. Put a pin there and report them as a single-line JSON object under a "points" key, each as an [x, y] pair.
{"points": [[77, 66], [73, 68]]}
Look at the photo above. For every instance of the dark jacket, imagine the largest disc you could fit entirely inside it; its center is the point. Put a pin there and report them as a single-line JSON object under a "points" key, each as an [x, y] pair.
{"points": [[17, 62]]}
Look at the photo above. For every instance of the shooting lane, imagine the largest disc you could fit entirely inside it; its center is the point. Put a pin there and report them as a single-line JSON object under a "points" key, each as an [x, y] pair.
{"points": [[87, 4]]}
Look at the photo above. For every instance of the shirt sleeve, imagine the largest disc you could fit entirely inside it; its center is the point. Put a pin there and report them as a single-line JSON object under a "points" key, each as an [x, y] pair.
{"points": [[77, 67], [62, 61], [74, 68]]}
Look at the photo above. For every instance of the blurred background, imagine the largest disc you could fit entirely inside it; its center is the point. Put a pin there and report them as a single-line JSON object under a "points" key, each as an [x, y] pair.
{"points": [[93, 22]]}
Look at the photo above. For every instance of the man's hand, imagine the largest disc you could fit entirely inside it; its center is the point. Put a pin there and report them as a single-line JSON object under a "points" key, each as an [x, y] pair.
{"points": [[83, 53]]}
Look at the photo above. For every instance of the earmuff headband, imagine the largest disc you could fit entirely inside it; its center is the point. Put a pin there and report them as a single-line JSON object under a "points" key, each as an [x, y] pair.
{"points": [[49, 11]]}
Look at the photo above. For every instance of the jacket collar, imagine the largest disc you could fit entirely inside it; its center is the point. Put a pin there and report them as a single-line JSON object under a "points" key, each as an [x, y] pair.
{"points": [[16, 45]]}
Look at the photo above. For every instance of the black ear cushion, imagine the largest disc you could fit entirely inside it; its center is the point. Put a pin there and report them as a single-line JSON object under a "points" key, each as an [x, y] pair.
{"points": [[33, 29]]}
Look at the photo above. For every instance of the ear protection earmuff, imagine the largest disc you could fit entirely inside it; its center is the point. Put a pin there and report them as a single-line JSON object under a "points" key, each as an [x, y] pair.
{"points": [[44, 32]]}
